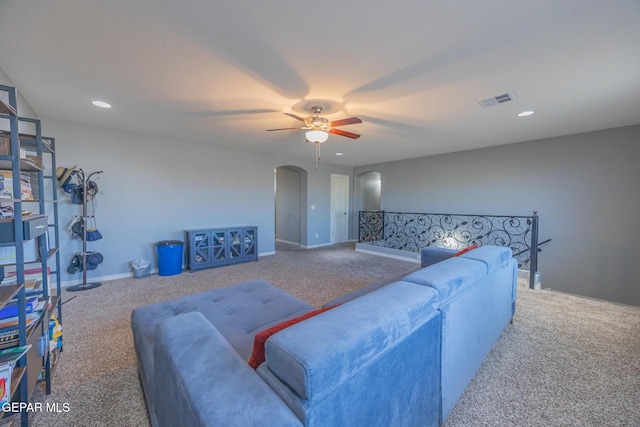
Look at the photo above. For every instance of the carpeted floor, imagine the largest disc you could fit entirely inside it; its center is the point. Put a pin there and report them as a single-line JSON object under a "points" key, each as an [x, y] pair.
{"points": [[565, 361]]}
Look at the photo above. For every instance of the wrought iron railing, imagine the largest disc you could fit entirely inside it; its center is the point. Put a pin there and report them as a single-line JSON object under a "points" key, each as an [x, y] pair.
{"points": [[414, 231]]}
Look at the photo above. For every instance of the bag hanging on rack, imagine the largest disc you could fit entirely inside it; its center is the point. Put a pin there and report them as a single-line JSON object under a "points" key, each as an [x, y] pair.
{"points": [[92, 189], [76, 195], [92, 233]]}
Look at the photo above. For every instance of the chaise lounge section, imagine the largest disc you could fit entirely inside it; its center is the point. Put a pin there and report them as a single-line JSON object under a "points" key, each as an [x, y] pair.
{"points": [[397, 354]]}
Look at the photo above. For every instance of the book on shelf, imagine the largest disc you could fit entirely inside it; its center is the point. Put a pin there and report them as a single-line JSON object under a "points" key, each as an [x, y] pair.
{"points": [[12, 322], [6, 212], [10, 334], [32, 279], [8, 359], [5, 384], [11, 309], [25, 185]]}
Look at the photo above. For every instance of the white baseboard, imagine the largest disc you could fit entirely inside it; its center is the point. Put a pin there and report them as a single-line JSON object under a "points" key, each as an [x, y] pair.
{"points": [[288, 242], [389, 253], [74, 282], [316, 246]]}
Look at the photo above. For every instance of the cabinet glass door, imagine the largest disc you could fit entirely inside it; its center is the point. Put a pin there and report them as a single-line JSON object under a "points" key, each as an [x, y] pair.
{"points": [[235, 243], [219, 246], [201, 248], [249, 242]]}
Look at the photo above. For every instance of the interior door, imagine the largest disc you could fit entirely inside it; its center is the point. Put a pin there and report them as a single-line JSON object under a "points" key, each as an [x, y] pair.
{"points": [[339, 208]]}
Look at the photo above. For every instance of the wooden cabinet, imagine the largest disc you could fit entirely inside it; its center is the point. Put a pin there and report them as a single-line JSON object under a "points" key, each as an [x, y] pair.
{"points": [[221, 246]]}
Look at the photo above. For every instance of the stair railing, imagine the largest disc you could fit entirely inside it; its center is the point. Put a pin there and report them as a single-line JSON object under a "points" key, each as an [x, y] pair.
{"points": [[414, 231]]}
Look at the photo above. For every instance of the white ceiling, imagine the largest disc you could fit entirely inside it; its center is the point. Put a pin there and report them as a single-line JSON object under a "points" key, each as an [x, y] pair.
{"points": [[222, 72]]}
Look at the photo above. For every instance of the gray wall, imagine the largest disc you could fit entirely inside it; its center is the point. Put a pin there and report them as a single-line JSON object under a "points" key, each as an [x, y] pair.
{"points": [[153, 188], [370, 187], [586, 188], [288, 183]]}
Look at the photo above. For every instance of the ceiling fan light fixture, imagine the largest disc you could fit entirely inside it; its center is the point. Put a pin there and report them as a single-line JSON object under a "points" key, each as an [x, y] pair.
{"points": [[317, 136]]}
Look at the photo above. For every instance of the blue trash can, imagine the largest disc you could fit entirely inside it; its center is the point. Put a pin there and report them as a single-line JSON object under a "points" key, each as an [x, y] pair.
{"points": [[169, 257]]}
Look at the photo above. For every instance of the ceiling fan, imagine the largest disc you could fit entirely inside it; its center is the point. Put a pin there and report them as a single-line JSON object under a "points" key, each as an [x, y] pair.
{"points": [[319, 128]]}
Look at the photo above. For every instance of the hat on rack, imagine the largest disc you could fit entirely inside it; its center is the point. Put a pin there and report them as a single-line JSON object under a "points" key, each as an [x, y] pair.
{"points": [[75, 265], [64, 175], [76, 228], [93, 259]]}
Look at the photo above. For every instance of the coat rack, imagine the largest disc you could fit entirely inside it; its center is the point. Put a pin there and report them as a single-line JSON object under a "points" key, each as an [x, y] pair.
{"points": [[84, 180]]}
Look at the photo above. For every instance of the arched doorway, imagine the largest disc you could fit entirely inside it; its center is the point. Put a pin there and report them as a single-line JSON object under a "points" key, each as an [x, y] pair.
{"points": [[290, 206]]}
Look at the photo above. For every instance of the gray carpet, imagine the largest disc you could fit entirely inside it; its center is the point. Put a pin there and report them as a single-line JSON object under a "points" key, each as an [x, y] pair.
{"points": [[565, 361]]}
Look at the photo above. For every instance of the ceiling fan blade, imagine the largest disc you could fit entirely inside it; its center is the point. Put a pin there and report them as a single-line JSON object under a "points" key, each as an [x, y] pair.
{"points": [[349, 121], [295, 117], [344, 133], [268, 130]]}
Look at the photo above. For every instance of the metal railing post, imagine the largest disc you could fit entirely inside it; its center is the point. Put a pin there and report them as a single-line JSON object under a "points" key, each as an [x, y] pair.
{"points": [[533, 260]]}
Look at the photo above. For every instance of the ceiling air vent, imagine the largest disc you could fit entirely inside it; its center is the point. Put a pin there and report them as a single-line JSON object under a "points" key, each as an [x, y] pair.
{"points": [[495, 100]]}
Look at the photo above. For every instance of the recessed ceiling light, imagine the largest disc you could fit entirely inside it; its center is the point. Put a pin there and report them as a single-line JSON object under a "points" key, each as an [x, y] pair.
{"points": [[101, 104], [339, 154], [525, 113]]}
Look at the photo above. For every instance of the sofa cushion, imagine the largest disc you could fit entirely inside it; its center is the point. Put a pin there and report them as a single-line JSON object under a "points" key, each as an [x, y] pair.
{"points": [[434, 254], [202, 381], [316, 356], [257, 354], [237, 311], [449, 277]]}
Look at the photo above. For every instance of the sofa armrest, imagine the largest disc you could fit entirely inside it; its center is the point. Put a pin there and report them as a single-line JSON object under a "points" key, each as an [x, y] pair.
{"points": [[432, 254], [202, 381]]}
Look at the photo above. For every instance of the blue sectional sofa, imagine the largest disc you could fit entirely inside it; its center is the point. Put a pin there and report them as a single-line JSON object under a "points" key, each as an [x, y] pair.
{"points": [[477, 296], [394, 354]]}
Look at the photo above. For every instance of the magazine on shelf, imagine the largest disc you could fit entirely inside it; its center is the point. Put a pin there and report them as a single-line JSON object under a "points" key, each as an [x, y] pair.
{"points": [[13, 354]]}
